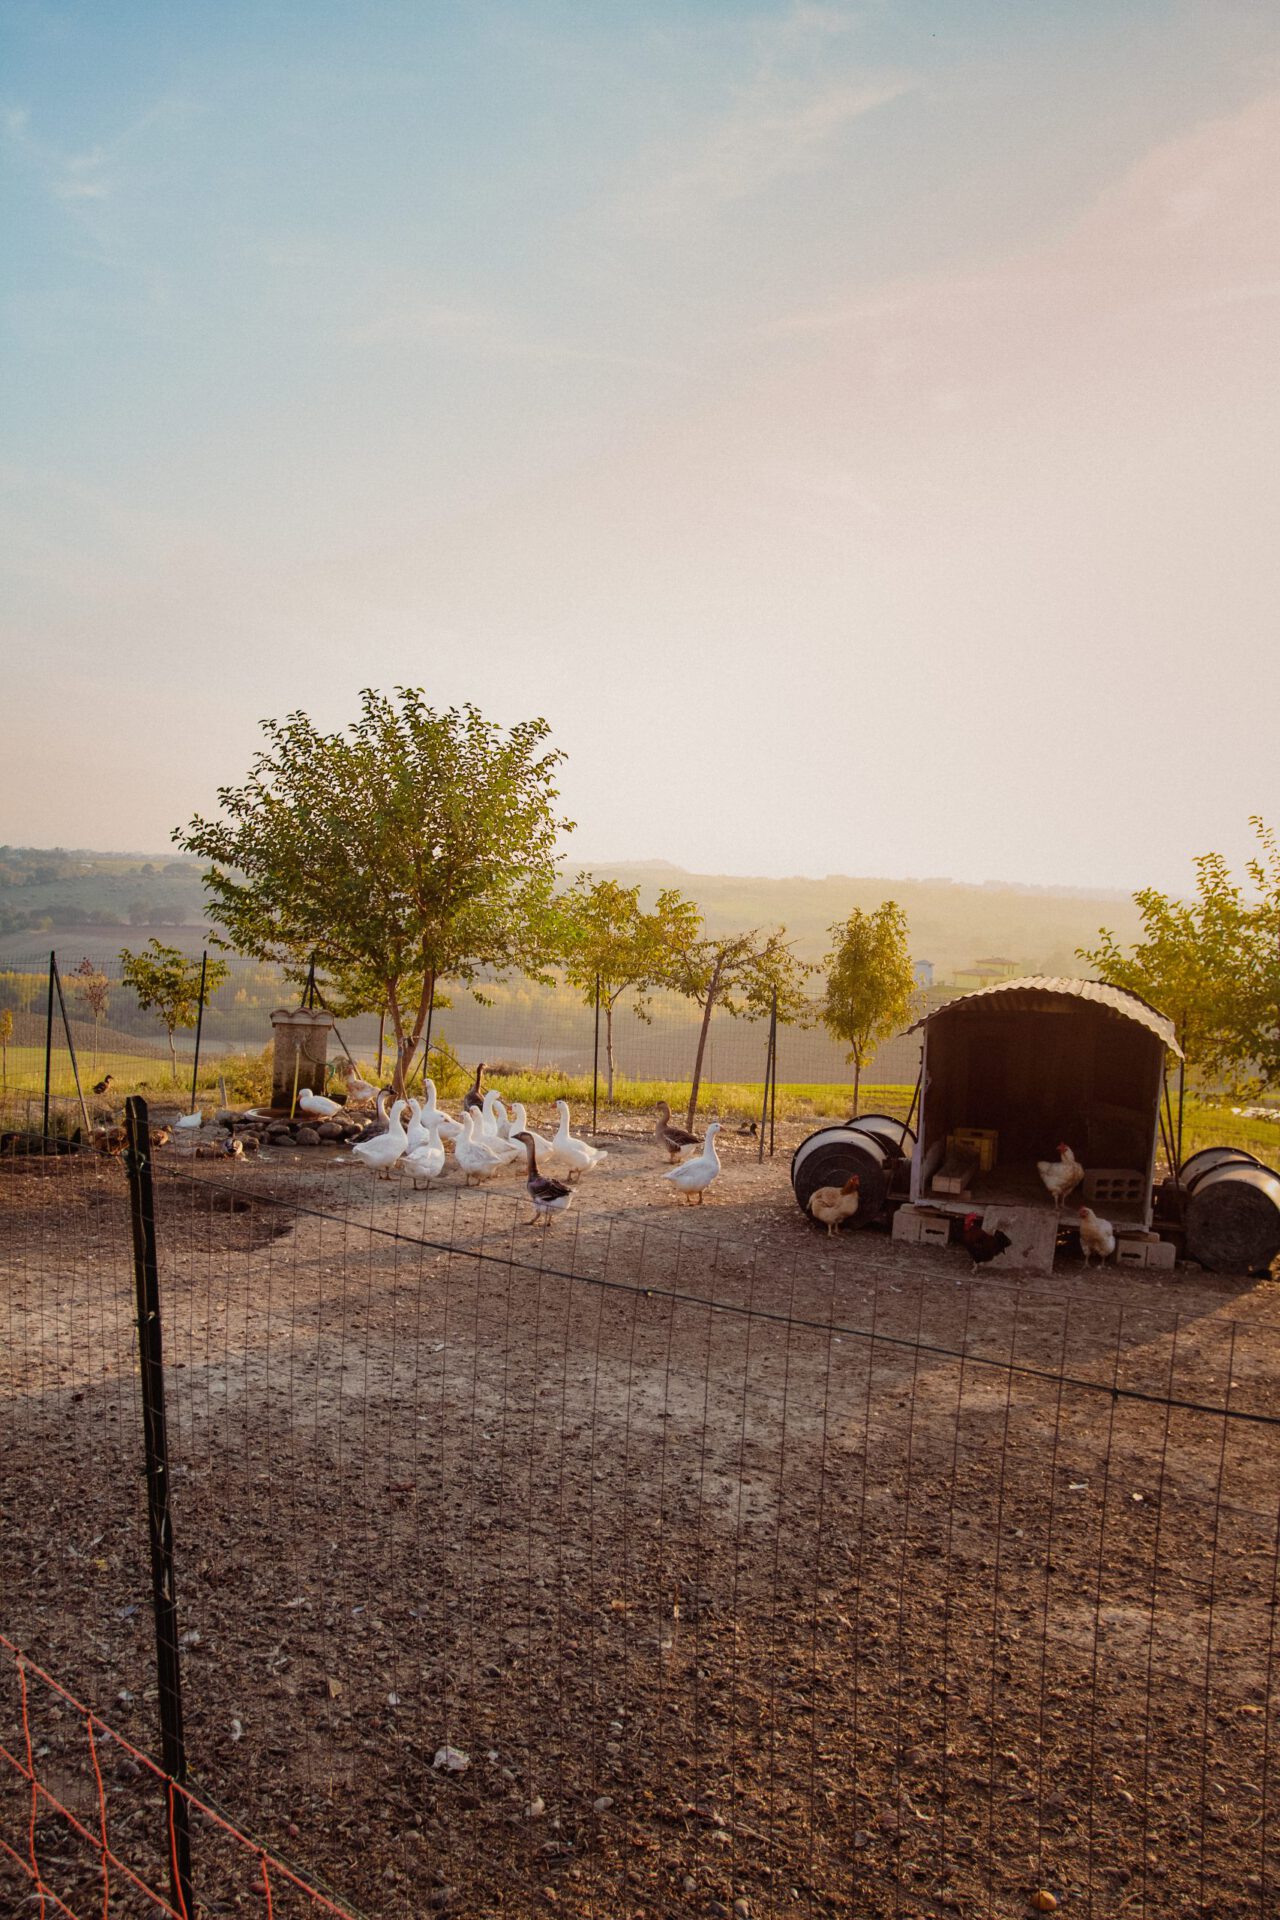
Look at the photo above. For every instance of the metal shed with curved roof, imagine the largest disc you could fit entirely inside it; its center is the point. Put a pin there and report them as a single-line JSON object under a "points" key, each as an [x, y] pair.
{"points": [[1034, 1062]]}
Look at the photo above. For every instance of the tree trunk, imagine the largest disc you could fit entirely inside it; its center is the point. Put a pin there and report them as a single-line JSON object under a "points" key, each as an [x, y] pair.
{"points": [[608, 1050], [857, 1081], [173, 1055], [712, 989]]}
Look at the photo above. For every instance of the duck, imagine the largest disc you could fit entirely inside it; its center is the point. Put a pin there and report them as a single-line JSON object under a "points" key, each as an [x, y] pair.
{"points": [[549, 1197], [674, 1139], [317, 1104], [382, 1152], [695, 1175], [579, 1155], [357, 1089], [189, 1122], [435, 1116], [473, 1096], [471, 1152]]}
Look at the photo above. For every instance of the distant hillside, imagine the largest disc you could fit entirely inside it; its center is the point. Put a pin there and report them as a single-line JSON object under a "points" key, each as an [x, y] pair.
{"points": [[57, 891], [951, 924], [50, 889]]}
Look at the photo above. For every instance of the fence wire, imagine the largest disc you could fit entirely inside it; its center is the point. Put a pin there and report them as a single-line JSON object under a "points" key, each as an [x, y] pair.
{"points": [[634, 1567]]}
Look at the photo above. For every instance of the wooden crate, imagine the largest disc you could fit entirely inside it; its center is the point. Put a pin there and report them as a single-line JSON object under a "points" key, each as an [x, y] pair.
{"points": [[1145, 1252], [984, 1141], [917, 1228]]}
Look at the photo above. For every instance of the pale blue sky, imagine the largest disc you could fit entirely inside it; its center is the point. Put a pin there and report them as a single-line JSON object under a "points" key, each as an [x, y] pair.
{"points": [[854, 427]]}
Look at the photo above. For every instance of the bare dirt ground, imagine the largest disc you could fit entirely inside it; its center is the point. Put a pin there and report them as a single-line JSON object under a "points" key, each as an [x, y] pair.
{"points": [[743, 1565]]}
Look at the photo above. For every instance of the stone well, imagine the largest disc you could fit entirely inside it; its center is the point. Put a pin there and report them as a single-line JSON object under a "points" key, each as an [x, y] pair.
{"points": [[301, 1044]]}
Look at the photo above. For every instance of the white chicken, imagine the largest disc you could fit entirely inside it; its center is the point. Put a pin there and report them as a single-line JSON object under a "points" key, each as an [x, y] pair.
{"points": [[1096, 1236], [832, 1206], [1061, 1176]]}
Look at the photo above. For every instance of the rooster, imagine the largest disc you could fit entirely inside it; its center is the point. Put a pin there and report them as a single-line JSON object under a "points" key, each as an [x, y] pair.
{"points": [[1061, 1176], [834, 1205], [981, 1245], [1096, 1236]]}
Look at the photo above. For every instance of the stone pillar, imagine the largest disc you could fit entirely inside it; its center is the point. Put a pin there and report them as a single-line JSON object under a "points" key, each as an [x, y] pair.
{"points": [[301, 1041]]}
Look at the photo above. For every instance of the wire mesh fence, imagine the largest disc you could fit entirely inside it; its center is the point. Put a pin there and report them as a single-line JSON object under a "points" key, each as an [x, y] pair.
{"points": [[632, 1567], [520, 1024]]}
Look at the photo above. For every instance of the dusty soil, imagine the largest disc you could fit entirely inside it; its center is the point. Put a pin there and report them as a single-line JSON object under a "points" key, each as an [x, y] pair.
{"points": [[743, 1565]]}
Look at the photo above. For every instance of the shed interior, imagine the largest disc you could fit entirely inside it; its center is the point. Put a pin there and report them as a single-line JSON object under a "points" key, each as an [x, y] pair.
{"points": [[1037, 1071]]}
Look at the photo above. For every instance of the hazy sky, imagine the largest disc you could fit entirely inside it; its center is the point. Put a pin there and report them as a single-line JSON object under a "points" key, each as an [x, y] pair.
{"points": [[853, 427]]}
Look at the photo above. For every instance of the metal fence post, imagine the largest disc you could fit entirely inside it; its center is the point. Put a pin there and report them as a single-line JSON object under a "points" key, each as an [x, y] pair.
{"points": [[71, 1047], [595, 1062], [768, 1075], [195, 1067], [48, 1048], [159, 1515], [773, 1078]]}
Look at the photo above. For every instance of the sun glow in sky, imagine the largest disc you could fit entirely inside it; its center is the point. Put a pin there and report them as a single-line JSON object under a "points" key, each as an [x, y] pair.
{"points": [[853, 426]]}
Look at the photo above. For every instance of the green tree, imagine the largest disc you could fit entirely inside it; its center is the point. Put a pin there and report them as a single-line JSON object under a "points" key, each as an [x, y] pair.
{"points": [[94, 987], [740, 973], [416, 846], [870, 987], [167, 982], [6, 1035], [1212, 964], [607, 936]]}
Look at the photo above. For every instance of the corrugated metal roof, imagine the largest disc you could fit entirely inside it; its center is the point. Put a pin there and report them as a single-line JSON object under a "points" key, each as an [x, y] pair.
{"points": [[1022, 994]]}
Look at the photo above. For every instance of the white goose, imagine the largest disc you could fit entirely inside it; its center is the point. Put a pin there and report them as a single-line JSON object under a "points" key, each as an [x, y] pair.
{"points": [[418, 1131], [382, 1152], [694, 1176], [503, 1150], [577, 1155], [425, 1161], [435, 1116], [471, 1152]]}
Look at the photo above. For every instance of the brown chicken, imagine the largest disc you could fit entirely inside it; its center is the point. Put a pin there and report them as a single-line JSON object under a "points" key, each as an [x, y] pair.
{"points": [[832, 1206]]}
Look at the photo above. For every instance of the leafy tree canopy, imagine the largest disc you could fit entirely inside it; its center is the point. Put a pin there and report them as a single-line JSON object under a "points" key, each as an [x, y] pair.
{"points": [[167, 982], [607, 937], [870, 988], [1212, 964], [741, 973], [416, 845]]}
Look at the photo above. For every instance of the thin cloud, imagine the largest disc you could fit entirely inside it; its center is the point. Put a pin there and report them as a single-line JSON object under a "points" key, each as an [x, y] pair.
{"points": [[778, 129]]}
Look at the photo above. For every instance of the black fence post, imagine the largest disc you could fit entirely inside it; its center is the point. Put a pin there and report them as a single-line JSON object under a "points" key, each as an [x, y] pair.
{"points": [[768, 1075], [595, 1062], [773, 1080], [159, 1514], [195, 1067], [71, 1045], [48, 1048]]}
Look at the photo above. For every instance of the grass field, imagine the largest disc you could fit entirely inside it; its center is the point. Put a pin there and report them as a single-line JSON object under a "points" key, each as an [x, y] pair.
{"points": [[247, 1079]]}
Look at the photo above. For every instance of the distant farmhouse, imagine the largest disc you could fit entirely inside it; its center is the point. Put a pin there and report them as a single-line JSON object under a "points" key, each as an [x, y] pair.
{"points": [[987, 973]]}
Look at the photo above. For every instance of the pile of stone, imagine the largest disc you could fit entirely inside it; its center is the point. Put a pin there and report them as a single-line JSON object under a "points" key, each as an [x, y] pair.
{"points": [[277, 1130]]}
